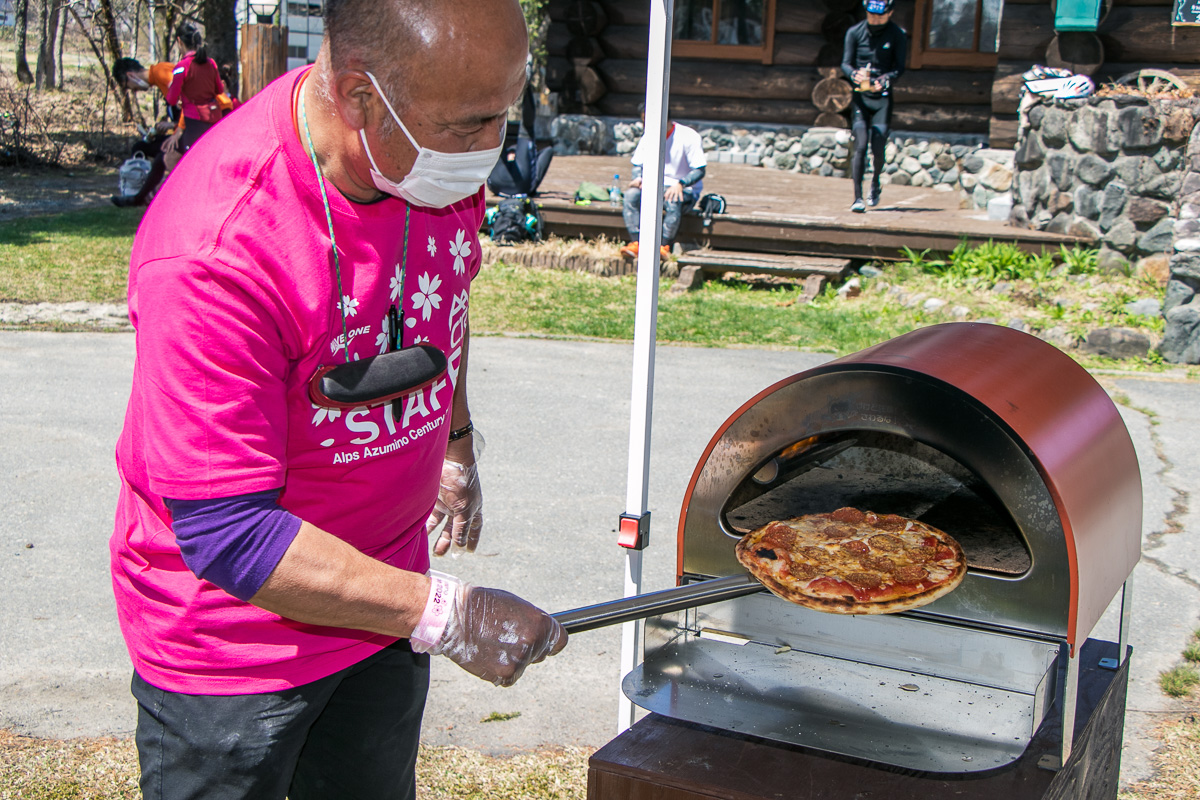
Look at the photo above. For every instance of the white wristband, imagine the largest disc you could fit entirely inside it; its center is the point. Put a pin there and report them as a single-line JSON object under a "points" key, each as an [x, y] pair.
{"points": [[438, 607]]}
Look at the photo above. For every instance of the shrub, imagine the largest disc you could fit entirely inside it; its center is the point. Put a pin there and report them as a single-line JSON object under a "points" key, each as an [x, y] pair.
{"points": [[1178, 681], [993, 262]]}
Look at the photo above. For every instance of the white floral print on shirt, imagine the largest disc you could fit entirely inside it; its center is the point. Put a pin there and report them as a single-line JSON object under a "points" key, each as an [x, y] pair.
{"points": [[427, 299], [381, 341], [460, 248], [396, 281], [325, 414]]}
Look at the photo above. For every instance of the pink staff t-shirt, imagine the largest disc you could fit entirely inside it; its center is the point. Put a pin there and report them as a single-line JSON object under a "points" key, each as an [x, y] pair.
{"points": [[233, 294]]}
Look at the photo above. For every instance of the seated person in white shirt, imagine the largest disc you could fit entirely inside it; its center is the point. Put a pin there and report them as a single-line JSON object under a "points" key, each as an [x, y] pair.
{"points": [[683, 178]]}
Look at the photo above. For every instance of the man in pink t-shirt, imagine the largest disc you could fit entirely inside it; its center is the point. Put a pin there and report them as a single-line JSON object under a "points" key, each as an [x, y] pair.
{"points": [[270, 558]]}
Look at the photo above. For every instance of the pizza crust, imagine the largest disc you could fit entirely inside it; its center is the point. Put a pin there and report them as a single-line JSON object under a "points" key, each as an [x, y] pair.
{"points": [[780, 555]]}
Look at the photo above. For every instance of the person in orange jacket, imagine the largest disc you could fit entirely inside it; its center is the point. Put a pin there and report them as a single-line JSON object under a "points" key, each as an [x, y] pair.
{"points": [[165, 152], [162, 147]]}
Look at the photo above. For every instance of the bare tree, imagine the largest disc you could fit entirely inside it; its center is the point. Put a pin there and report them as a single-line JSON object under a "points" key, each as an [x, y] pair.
{"points": [[106, 18], [42, 17], [62, 38], [168, 14], [127, 106], [22, 13], [48, 17]]}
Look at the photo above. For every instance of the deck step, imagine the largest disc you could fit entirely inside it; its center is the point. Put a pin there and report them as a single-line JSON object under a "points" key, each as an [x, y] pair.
{"points": [[813, 270], [766, 263]]}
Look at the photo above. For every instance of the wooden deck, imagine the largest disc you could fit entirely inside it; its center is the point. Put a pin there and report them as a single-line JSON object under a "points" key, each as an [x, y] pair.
{"points": [[783, 212]]}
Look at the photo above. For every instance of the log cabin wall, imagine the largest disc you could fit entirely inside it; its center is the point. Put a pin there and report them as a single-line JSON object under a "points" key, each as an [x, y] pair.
{"points": [[597, 55], [1133, 35]]}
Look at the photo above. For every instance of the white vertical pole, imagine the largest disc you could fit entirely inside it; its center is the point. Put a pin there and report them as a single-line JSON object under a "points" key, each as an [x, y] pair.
{"points": [[658, 76]]}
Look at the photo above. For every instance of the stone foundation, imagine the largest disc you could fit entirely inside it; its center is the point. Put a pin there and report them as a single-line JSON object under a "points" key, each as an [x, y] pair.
{"points": [[1108, 168], [1125, 171], [952, 162]]}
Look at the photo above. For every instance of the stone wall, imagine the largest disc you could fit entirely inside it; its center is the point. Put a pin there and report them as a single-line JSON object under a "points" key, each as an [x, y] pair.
{"points": [[952, 162], [1181, 306], [1108, 168], [1125, 171]]}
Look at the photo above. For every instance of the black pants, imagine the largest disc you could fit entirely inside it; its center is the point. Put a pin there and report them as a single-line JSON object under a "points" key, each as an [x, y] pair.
{"points": [[193, 129], [871, 120], [353, 734]]}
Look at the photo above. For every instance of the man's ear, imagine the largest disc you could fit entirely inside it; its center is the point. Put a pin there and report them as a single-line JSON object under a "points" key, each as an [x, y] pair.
{"points": [[356, 98]]}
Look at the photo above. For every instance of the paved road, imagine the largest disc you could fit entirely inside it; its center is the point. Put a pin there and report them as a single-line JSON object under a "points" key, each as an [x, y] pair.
{"points": [[555, 416]]}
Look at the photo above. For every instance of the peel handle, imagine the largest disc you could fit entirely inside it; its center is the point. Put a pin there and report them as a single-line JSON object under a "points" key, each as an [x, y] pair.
{"points": [[614, 612]]}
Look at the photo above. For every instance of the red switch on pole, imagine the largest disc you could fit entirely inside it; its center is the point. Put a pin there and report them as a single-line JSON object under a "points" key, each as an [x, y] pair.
{"points": [[634, 531]]}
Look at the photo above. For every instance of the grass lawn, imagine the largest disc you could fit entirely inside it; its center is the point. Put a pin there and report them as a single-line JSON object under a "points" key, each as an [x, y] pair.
{"points": [[80, 255], [83, 255], [513, 299]]}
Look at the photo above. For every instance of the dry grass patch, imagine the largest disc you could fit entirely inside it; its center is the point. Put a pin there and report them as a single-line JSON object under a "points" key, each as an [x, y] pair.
{"points": [[453, 773], [106, 769], [596, 256], [600, 247], [50, 769], [1177, 764]]}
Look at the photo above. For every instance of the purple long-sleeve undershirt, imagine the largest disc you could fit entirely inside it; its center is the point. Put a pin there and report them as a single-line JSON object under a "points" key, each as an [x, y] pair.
{"points": [[233, 542]]}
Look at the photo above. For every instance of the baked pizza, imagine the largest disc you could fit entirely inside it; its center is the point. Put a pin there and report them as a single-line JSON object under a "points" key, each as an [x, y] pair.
{"points": [[854, 562]]}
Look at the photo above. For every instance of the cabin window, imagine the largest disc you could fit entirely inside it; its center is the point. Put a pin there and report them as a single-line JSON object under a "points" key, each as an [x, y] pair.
{"points": [[956, 33], [729, 29]]}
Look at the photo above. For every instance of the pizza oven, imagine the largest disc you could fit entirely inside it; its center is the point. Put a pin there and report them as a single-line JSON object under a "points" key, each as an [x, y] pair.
{"points": [[987, 433]]}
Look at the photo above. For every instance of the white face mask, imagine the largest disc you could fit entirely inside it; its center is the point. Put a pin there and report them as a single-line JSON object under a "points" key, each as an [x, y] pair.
{"points": [[436, 179]]}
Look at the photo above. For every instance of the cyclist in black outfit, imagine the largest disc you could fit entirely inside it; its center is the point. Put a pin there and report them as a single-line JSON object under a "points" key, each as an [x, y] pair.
{"points": [[873, 58]]}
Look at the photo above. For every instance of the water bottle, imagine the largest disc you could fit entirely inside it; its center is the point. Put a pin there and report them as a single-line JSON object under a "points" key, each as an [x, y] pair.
{"points": [[614, 192], [864, 85]]}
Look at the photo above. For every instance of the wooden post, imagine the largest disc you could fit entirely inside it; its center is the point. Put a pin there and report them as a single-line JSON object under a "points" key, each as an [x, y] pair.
{"points": [[263, 57]]}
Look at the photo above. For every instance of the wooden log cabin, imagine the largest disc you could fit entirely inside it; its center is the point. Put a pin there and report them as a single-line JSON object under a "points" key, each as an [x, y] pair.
{"points": [[776, 61]]}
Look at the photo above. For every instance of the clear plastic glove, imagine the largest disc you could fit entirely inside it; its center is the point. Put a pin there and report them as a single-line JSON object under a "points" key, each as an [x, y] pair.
{"points": [[171, 144], [495, 635], [457, 517]]}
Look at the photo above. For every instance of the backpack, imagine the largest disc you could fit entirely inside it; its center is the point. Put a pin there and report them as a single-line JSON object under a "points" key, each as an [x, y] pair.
{"points": [[520, 169], [131, 177], [709, 205], [514, 219]]}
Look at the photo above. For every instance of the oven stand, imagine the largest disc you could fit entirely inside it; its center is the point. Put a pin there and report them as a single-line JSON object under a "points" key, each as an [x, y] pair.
{"points": [[1071, 694], [1123, 632]]}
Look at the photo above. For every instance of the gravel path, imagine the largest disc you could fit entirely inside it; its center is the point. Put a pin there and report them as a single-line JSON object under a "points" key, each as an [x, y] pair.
{"points": [[105, 316]]}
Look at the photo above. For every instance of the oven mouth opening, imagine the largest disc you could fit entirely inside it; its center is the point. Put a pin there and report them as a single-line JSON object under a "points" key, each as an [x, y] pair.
{"points": [[889, 474]]}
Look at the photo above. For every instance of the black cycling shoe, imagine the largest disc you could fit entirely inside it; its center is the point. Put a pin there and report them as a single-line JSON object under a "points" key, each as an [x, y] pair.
{"points": [[124, 200]]}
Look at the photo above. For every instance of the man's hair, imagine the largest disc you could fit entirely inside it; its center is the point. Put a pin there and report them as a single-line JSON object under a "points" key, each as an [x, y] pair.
{"points": [[377, 36], [389, 38], [124, 66]]}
